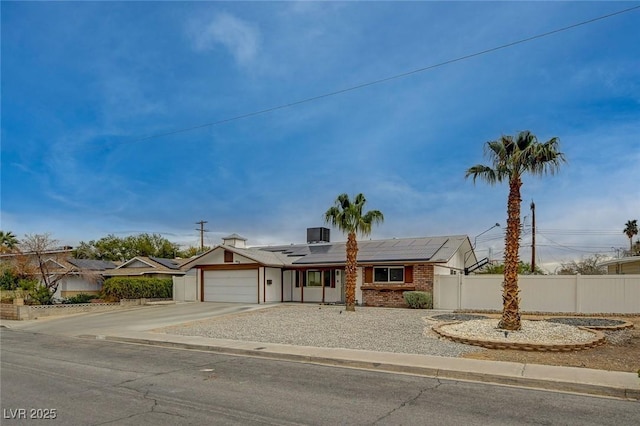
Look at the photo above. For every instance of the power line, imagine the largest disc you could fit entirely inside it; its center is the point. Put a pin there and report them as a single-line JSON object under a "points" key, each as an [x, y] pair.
{"points": [[386, 79]]}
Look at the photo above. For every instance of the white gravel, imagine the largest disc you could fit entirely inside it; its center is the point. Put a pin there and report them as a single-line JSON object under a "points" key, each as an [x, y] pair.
{"points": [[377, 329], [530, 332]]}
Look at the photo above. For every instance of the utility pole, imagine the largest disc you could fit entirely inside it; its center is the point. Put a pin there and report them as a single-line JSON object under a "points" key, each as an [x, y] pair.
{"points": [[202, 231], [533, 237]]}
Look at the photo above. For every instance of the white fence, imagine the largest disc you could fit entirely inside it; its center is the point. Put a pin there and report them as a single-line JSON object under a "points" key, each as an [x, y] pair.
{"points": [[185, 288], [542, 293]]}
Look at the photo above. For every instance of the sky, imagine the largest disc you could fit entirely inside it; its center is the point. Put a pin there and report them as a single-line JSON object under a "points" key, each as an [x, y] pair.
{"points": [[129, 117]]}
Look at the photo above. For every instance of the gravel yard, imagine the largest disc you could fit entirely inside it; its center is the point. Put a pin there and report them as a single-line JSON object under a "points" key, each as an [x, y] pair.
{"points": [[402, 331], [377, 329]]}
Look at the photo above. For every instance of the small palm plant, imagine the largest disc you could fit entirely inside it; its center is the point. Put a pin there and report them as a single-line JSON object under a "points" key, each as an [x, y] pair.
{"points": [[631, 229], [347, 216], [8, 242], [511, 158]]}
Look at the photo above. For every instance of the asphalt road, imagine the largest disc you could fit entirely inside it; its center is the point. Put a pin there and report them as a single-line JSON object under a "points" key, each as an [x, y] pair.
{"points": [[94, 382]]}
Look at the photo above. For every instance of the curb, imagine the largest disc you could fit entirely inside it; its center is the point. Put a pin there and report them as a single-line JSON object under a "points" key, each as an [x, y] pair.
{"points": [[552, 378]]}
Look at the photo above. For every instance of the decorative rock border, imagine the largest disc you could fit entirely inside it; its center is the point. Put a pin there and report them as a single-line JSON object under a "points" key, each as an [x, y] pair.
{"points": [[598, 340]]}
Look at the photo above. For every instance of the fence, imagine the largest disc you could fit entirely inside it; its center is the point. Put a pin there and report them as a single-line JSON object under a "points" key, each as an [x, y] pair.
{"points": [[542, 293], [18, 311]]}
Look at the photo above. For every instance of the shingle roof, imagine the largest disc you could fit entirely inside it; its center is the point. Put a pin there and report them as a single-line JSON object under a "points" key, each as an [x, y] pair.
{"points": [[91, 264], [432, 249], [267, 258], [169, 263]]}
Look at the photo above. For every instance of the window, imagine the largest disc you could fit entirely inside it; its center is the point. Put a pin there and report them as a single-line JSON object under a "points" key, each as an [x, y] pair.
{"points": [[314, 278], [386, 275], [228, 256], [319, 279]]}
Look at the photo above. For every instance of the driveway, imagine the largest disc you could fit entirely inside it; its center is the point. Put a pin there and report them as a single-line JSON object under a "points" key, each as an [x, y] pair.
{"points": [[139, 319]]}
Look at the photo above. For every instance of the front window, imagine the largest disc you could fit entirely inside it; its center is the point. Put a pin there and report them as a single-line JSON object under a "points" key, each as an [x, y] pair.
{"points": [[314, 278], [388, 275], [319, 278]]}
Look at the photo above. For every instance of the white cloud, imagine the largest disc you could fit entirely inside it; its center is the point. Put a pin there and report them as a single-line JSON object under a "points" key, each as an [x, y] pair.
{"points": [[240, 37]]}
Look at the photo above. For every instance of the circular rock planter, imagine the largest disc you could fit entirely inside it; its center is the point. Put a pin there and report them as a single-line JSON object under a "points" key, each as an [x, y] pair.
{"points": [[540, 336]]}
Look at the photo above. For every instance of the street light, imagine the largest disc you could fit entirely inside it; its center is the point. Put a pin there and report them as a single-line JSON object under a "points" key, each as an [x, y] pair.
{"points": [[466, 257], [497, 225]]}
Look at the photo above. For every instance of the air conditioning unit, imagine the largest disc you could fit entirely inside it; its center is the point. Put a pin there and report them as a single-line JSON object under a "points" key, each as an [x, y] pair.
{"points": [[318, 235]]}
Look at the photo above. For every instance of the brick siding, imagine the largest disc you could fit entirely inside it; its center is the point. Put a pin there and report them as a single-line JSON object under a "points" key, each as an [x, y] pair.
{"points": [[390, 296]]}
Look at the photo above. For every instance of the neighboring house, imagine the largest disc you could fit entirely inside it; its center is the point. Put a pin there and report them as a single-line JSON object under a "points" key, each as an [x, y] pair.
{"points": [[143, 266], [75, 275], [82, 276], [624, 265], [314, 272]]}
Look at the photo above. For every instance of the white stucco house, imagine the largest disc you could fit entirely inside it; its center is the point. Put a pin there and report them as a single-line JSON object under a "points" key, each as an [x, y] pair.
{"points": [[314, 272]]}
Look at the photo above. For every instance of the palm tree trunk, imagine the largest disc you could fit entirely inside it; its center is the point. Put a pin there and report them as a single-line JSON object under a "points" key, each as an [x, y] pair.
{"points": [[351, 272], [510, 293]]}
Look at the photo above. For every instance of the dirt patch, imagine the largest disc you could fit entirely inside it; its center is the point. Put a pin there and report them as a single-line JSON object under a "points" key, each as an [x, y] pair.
{"points": [[621, 352]]}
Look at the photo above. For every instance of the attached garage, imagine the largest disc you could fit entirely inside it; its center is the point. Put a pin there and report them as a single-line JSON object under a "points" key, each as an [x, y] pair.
{"points": [[239, 286]]}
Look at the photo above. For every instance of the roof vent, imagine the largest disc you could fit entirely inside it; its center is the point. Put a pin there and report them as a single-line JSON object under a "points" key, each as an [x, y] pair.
{"points": [[234, 240], [318, 235]]}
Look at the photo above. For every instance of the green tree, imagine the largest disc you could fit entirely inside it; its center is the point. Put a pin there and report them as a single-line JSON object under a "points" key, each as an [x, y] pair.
{"points": [[631, 229], [347, 216], [511, 158], [524, 268], [192, 251], [8, 242], [116, 248]]}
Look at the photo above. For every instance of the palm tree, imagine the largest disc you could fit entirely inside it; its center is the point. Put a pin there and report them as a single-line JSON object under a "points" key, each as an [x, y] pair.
{"points": [[8, 242], [511, 158], [631, 229], [347, 216]]}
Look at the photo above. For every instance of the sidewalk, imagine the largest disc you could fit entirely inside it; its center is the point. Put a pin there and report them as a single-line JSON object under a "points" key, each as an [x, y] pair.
{"points": [[564, 379]]}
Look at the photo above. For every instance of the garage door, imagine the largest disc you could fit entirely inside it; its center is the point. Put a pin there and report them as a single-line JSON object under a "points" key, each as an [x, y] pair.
{"points": [[231, 286]]}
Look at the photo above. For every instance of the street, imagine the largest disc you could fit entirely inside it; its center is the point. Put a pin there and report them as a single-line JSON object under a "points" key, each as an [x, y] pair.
{"points": [[94, 382]]}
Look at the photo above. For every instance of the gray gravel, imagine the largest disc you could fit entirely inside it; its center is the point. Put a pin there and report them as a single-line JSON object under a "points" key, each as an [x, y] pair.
{"points": [[377, 329], [586, 321]]}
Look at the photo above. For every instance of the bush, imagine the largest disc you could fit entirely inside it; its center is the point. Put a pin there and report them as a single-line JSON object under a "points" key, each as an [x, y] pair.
{"points": [[418, 299], [117, 288], [80, 298], [8, 279]]}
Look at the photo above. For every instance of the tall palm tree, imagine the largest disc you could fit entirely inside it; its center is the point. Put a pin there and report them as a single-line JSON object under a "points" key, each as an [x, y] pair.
{"points": [[511, 158], [631, 229], [347, 216], [8, 242]]}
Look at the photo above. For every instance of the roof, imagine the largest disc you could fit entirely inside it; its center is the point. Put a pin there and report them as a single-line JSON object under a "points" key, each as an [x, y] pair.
{"points": [[425, 249], [91, 264], [234, 237], [628, 259], [153, 265]]}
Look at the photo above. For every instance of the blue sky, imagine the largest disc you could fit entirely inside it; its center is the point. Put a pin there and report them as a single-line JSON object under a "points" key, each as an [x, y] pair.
{"points": [[83, 85]]}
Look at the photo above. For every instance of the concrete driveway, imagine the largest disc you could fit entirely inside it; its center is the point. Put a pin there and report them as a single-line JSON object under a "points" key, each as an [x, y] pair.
{"points": [[139, 319]]}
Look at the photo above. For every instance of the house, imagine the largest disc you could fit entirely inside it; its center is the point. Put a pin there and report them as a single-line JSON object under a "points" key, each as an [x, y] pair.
{"points": [[81, 276], [71, 276], [625, 265], [75, 276], [314, 272]]}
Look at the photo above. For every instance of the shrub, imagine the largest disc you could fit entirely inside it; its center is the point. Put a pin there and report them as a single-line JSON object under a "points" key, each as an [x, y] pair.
{"points": [[418, 299], [117, 288], [8, 279], [80, 298]]}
